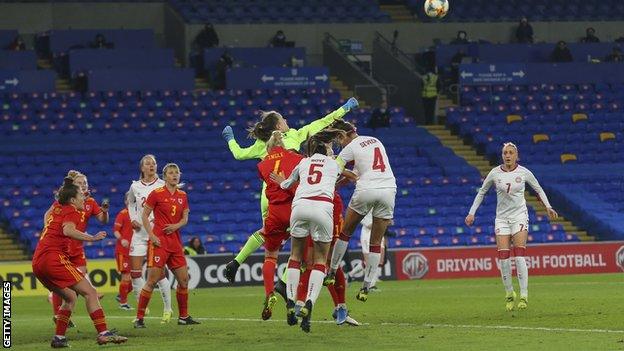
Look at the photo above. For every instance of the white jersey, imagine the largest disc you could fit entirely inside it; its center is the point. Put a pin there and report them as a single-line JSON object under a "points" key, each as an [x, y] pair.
{"points": [[138, 193], [370, 163], [317, 176], [510, 188]]}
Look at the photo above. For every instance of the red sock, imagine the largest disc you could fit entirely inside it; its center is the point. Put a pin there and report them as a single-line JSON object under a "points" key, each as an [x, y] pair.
{"points": [[57, 301], [302, 289], [268, 274], [182, 296], [124, 289], [62, 320], [333, 293], [340, 286], [99, 320], [144, 298]]}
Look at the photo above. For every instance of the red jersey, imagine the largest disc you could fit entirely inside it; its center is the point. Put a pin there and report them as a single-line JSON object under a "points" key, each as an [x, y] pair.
{"points": [[282, 162], [123, 225], [91, 208], [168, 209], [52, 237]]}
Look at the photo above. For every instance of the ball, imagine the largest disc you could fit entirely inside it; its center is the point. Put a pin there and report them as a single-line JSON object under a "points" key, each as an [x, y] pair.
{"points": [[436, 8]]}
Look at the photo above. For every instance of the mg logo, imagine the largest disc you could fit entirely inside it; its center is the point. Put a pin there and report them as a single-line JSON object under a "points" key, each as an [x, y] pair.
{"points": [[294, 72], [619, 258], [415, 265], [492, 68]]}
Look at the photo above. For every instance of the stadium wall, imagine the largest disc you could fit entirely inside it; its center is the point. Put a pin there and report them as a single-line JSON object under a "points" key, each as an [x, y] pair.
{"points": [[403, 264]]}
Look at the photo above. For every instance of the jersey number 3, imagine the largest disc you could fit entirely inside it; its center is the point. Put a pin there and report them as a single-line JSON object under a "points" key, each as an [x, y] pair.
{"points": [[378, 161], [315, 175]]}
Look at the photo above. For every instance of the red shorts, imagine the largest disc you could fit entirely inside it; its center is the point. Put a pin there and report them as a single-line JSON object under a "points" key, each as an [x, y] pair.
{"points": [[55, 270], [276, 226], [78, 258], [123, 262], [159, 257]]}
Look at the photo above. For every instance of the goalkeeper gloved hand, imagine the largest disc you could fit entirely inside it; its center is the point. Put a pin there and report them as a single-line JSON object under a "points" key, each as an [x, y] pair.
{"points": [[350, 104], [227, 133]]}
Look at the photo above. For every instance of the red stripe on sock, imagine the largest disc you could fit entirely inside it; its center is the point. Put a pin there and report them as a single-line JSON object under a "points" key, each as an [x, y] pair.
{"points": [[375, 248], [519, 251], [99, 320], [57, 301], [182, 297], [503, 254], [319, 267], [294, 264], [62, 320]]}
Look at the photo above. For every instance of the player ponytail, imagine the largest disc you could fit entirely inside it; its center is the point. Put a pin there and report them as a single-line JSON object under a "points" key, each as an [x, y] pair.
{"points": [[319, 142], [68, 191], [268, 123], [345, 126]]}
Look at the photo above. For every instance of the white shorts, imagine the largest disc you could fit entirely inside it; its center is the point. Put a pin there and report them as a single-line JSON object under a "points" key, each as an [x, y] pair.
{"points": [[312, 217], [138, 244], [365, 239], [379, 201], [511, 226]]}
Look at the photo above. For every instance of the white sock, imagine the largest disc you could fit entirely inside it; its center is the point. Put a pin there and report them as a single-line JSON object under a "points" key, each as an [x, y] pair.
{"points": [[340, 247], [165, 291], [137, 285], [523, 275], [315, 285], [357, 268], [376, 277], [370, 273], [505, 268], [292, 283]]}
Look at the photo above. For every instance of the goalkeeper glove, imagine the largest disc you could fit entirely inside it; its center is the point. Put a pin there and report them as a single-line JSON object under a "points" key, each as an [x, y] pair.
{"points": [[227, 133], [350, 104]]}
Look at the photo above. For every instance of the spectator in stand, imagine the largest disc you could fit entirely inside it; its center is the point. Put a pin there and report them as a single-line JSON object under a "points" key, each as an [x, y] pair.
{"points": [[561, 53], [101, 43], [194, 247], [380, 118], [431, 86], [225, 62], [462, 38], [615, 56], [590, 36], [456, 60], [524, 33], [279, 40], [206, 38], [17, 44]]}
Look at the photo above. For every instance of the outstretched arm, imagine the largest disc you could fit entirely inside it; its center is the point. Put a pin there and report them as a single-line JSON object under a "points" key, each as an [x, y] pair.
{"points": [[322, 123], [256, 150]]}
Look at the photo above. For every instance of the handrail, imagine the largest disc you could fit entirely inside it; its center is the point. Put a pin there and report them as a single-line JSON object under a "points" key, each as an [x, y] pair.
{"points": [[400, 54], [331, 39]]}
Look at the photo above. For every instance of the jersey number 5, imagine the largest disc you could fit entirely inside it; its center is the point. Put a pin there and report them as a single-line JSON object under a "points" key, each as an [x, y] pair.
{"points": [[315, 175], [378, 161]]}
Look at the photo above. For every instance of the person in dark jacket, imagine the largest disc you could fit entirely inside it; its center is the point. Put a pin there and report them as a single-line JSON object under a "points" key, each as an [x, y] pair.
{"points": [[462, 38], [17, 44], [561, 53], [524, 32], [207, 38], [615, 55], [380, 118], [590, 36]]}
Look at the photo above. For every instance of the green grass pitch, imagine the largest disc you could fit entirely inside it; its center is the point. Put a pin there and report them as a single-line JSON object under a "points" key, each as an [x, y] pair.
{"points": [[575, 312]]}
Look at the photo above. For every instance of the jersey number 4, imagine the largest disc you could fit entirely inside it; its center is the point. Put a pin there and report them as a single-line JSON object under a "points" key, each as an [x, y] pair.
{"points": [[378, 161], [314, 174]]}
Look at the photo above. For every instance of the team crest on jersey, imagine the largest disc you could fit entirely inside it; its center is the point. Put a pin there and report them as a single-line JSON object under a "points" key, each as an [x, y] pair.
{"points": [[619, 258], [57, 210], [415, 265], [180, 201], [518, 179], [156, 259], [88, 208]]}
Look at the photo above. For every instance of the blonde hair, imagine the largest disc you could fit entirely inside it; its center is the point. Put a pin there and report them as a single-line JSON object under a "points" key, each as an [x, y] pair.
{"points": [[145, 157], [73, 174], [275, 140], [509, 144]]}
